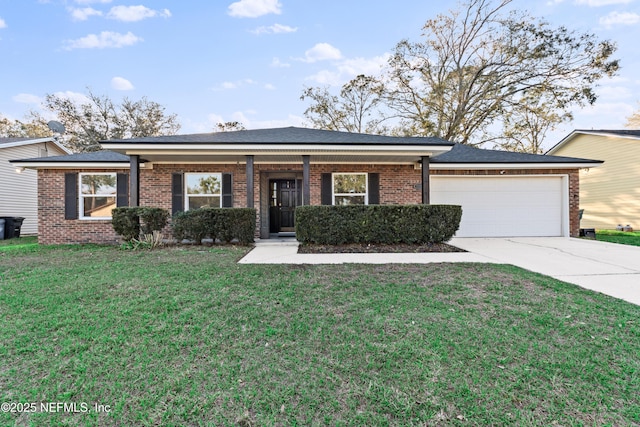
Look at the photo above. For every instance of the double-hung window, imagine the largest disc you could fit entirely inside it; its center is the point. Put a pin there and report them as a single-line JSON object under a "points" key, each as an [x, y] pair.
{"points": [[350, 189], [203, 190], [98, 193]]}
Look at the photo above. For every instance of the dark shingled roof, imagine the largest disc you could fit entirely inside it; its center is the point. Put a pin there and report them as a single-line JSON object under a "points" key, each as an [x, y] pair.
{"points": [[620, 132], [458, 154], [288, 135], [104, 156], [10, 140], [466, 154]]}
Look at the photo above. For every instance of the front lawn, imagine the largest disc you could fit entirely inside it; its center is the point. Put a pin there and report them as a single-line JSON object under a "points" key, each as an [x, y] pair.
{"points": [[186, 336], [18, 242], [613, 236]]}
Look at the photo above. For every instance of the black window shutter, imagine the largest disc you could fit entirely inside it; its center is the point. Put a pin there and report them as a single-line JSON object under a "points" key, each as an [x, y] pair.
{"points": [[227, 191], [70, 196], [177, 193], [326, 189], [374, 188], [122, 198]]}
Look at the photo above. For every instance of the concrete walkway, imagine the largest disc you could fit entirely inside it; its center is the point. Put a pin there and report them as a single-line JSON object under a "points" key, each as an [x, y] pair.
{"points": [[603, 267], [610, 268], [285, 251]]}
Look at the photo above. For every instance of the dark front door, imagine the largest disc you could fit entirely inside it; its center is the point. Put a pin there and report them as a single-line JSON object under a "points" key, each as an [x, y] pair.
{"points": [[286, 194]]}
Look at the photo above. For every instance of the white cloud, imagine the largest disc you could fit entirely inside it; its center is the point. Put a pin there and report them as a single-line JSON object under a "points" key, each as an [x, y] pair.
{"points": [[291, 120], [120, 83], [619, 18], [269, 86], [3, 24], [276, 63], [233, 85], [597, 3], [27, 98], [369, 66], [228, 86], [84, 13], [212, 119], [327, 78], [135, 13], [75, 97], [254, 8], [321, 52], [603, 115], [106, 39], [349, 68], [275, 29]]}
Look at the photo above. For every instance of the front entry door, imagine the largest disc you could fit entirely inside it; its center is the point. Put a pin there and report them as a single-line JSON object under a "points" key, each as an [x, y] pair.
{"points": [[285, 196]]}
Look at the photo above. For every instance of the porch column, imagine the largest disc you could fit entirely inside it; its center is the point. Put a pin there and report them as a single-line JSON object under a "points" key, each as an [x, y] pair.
{"points": [[250, 187], [306, 180], [425, 180], [134, 180]]}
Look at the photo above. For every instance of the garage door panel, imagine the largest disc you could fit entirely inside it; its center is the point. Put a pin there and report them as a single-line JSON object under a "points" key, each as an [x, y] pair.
{"points": [[503, 206]]}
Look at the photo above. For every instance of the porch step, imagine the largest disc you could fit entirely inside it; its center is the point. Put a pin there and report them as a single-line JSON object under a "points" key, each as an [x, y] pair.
{"points": [[277, 241]]}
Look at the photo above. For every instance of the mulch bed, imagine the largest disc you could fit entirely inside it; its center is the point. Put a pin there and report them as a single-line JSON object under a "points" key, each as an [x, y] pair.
{"points": [[376, 248]]}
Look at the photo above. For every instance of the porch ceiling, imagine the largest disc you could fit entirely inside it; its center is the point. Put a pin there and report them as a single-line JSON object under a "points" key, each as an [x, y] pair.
{"points": [[279, 152]]}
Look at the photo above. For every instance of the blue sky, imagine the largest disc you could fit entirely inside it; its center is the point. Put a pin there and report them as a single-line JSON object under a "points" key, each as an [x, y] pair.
{"points": [[249, 60]]}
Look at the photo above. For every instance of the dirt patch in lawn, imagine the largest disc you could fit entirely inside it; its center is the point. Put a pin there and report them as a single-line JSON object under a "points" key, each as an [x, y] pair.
{"points": [[376, 248]]}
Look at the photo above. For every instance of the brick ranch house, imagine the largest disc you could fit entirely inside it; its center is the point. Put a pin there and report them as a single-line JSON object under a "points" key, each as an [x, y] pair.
{"points": [[275, 170]]}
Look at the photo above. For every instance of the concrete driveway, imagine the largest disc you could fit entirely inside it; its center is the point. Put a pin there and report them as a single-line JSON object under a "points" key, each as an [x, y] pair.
{"points": [[609, 268]]}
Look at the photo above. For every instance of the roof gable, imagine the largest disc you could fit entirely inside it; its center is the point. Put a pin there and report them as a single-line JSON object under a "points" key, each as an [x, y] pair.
{"points": [[19, 142], [632, 134]]}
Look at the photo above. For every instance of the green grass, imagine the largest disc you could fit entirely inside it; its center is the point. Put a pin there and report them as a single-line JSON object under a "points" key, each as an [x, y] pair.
{"points": [[613, 236], [20, 242], [188, 337]]}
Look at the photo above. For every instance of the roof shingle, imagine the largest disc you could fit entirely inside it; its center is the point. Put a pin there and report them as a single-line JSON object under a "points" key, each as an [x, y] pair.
{"points": [[288, 135]]}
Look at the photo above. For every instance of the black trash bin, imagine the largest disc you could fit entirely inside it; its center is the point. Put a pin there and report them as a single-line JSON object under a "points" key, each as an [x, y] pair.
{"points": [[12, 226]]}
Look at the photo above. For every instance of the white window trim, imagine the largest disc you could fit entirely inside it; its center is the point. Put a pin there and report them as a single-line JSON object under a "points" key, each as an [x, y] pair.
{"points": [[81, 196], [365, 194], [186, 188]]}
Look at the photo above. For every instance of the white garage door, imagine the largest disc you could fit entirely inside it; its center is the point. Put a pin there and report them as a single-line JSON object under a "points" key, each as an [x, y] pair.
{"points": [[504, 206]]}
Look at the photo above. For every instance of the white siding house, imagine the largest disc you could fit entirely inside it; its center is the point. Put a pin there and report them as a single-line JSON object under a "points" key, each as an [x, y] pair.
{"points": [[19, 191]]}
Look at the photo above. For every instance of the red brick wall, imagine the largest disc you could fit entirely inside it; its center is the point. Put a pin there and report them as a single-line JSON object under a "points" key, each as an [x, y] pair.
{"points": [[398, 185], [397, 182], [53, 228]]}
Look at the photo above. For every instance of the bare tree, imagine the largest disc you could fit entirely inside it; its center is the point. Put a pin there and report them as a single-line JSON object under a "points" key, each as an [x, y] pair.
{"points": [[354, 110], [475, 65], [527, 123], [20, 129], [633, 121], [99, 118], [477, 73], [229, 126]]}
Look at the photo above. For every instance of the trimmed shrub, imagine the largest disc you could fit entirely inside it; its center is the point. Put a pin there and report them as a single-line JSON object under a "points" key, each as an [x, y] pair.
{"points": [[128, 222], [153, 219], [389, 224], [221, 224]]}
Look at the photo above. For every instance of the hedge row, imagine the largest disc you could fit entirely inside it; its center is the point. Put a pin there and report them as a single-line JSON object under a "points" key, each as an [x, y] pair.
{"points": [[220, 224], [131, 222], [390, 224]]}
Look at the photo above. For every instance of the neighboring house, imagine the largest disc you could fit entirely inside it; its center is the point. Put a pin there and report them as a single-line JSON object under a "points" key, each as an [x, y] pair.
{"points": [[275, 170], [610, 194], [19, 187]]}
